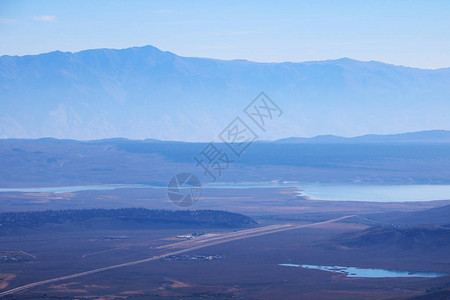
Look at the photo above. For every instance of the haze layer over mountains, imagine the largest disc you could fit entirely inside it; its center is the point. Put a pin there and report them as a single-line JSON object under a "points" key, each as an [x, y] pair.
{"points": [[143, 92]]}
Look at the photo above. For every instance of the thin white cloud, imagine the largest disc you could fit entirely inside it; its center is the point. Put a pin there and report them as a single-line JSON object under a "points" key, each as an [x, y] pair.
{"points": [[44, 18]]}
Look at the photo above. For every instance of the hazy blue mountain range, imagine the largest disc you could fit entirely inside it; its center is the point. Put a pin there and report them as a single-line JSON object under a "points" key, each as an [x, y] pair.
{"points": [[143, 92], [429, 136]]}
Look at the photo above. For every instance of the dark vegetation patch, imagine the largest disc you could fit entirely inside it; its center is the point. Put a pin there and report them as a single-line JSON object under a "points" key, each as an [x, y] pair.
{"points": [[131, 218]]}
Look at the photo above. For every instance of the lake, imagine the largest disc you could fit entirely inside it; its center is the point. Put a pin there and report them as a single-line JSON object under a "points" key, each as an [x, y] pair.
{"points": [[318, 191], [375, 192], [356, 191], [70, 189], [366, 273]]}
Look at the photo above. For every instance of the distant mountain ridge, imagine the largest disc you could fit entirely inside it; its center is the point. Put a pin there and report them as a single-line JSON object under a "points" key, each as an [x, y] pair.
{"points": [[429, 136], [143, 92], [51, 162]]}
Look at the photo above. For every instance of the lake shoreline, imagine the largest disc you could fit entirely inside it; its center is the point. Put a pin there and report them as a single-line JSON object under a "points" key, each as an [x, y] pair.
{"points": [[355, 192]]}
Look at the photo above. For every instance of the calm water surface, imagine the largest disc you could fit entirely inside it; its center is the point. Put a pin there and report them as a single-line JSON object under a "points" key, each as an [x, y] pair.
{"points": [[366, 273], [358, 191], [69, 189], [376, 192], [319, 191]]}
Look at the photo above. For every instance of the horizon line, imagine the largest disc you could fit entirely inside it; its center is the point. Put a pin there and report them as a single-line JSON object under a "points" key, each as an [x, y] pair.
{"points": [[228, 60], [268, 141]]}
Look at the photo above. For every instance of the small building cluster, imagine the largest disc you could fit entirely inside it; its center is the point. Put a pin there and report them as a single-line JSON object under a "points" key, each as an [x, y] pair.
{"points": [[189, 236], [191, 257], [8, 259]]}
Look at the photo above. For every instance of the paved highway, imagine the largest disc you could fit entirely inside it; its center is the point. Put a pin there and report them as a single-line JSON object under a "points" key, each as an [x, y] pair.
{"points": [[185, 246]]}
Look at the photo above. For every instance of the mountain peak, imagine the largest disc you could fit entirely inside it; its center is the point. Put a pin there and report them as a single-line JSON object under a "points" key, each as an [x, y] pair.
{"points": [[143, 92]]}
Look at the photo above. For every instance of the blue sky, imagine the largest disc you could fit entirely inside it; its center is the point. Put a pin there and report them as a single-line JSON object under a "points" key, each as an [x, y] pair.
{"points": [[410, 33]]}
